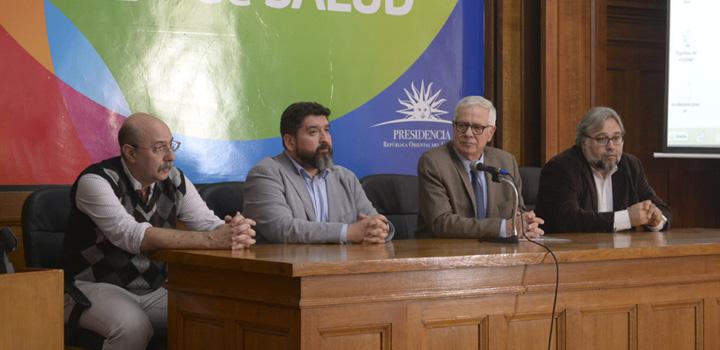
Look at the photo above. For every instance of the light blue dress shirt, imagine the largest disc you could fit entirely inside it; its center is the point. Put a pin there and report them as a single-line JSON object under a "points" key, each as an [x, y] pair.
{"points": [[317, 188]]}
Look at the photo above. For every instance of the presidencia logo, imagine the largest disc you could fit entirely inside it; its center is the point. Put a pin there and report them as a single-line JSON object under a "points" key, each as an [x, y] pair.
{"points": [[423, 105]]}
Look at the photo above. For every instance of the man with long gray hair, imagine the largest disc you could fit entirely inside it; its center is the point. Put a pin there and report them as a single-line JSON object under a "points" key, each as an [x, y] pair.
{"points": [[594, 187]]}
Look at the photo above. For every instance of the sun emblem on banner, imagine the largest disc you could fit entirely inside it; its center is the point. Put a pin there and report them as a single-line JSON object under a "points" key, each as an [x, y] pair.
{"points": [[421, 106]]}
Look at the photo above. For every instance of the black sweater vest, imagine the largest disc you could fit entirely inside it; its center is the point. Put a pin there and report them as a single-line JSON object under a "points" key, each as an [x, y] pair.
{"points": [[90, 256]]}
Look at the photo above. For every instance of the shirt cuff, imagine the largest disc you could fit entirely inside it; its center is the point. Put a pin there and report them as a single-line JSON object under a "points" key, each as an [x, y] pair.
{"points": [[622, 221], [503, 229], [135, 240], [659, 226], [343, 233]]}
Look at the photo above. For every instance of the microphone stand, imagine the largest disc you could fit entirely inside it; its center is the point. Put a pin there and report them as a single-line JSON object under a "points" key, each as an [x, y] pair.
{"points": [[514, 236]]}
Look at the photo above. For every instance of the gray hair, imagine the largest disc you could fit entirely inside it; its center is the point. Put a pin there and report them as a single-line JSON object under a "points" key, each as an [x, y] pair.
{"points": [[469, 101], [593, 120]]}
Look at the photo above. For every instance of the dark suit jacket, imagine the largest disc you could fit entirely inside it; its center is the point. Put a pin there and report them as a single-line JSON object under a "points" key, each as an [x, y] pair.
{"points": [[447, 200], [567, 197]]}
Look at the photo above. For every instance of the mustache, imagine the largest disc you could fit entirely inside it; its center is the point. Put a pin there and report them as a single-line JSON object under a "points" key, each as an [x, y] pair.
{"points": [[324, 146], [166, 166]]}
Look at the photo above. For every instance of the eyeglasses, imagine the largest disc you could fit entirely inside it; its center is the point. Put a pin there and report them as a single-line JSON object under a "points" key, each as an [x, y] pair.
{"points": [[477, 129], [162, 148], [616, 140]]}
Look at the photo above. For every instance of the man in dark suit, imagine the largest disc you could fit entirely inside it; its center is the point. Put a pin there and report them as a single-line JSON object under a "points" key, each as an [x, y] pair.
{"points": [[594, 187], [456, 201]]}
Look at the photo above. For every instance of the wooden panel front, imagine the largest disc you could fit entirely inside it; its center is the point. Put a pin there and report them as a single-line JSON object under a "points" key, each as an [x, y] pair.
{"points": [[367, 337], [677, 325], [31, 310], [531, 332], [613, 328], [607, 299]]}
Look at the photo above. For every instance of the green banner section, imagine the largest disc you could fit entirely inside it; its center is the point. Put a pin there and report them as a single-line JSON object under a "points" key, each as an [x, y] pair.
{"points": [[226, 69]]}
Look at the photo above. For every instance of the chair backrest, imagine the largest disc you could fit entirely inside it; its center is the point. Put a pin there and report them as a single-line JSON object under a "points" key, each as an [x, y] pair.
{"points": [[530, 176], [396, 197], [45, 221], [224, 198]]}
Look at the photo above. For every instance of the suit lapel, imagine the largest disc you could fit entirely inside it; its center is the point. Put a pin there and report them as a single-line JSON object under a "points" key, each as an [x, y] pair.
{"points": [[590, 183], [462, 172], [332, 184], [588, 178], [298, 185], [492, 188], [620, 189]]}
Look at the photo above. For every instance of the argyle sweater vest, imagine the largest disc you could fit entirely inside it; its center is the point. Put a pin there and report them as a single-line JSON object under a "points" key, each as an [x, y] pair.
{"points": [[90, 256]]}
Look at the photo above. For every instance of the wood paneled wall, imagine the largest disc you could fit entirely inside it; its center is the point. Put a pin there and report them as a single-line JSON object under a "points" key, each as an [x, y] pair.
{"points": [[636, 70], [572, 73], [609, 52], [513, 75]]}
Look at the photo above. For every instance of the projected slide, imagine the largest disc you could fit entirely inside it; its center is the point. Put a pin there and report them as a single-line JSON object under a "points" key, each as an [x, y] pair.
{"points": [[693, 102]]}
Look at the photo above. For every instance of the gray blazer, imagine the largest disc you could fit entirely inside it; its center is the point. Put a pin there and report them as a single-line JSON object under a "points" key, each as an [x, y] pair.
{"points": [[277, 199], [447, 200]]}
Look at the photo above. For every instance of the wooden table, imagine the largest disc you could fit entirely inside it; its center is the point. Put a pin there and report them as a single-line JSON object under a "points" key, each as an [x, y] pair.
{"points": [[617, 291], [31, 310]]}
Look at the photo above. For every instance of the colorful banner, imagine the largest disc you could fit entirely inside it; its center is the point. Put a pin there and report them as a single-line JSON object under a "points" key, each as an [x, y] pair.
{"points": [[220, 73]]}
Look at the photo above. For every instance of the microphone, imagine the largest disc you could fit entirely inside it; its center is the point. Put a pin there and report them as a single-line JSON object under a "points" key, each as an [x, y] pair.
{"points": [[495, 172]]}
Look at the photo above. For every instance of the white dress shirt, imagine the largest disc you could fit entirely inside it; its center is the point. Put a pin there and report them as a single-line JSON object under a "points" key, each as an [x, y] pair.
{"points": [[96, 199], [604, 188]]}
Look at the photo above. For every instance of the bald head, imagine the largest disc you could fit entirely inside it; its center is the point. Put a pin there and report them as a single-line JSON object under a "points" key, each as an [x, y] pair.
{"points": [[133, 130]]}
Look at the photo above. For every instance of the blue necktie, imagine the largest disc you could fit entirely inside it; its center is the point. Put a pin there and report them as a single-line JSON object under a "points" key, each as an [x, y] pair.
{"points": [[479, 194]]}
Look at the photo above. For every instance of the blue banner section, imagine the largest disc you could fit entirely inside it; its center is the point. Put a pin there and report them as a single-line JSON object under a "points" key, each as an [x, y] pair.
{"points": [[79, 65], [390, 132]]}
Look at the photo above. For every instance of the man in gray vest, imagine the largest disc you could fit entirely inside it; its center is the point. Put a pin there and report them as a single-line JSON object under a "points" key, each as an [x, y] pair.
{"points": [[122, 209]]}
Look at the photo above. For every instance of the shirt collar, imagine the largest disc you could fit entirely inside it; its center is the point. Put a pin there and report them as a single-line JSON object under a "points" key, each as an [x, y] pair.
{"points": [[304, 172], [467, 163], [135, 183]]}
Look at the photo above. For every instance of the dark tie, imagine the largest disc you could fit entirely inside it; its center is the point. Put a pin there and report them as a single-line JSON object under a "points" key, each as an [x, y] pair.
{"points": [[143, 193], [479, 194]]}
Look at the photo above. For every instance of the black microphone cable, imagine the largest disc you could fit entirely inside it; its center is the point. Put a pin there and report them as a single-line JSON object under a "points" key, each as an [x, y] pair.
{"points": [[557, 276], [557, 266]]}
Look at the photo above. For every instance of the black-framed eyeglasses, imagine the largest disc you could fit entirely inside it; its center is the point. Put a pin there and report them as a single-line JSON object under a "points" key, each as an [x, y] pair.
{"points": [[162, 148], [477, 129], [616, 140]]}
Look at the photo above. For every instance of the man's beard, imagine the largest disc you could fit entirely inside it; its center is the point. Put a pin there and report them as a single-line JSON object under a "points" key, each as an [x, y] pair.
{"points": [[318, 160], [601, 163], [605, 165]]}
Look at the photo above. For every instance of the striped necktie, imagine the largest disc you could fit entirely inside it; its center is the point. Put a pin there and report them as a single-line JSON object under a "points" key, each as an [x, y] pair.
{"points": [[479, 194]]}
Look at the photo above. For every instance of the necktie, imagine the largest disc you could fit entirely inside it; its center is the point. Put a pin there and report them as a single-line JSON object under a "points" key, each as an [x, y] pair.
{"points": [[143, 193], [479, 194]]}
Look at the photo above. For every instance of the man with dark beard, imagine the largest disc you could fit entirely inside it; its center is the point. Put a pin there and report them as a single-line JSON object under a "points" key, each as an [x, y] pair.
{"points": [[299, 196], [594, 187]]}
